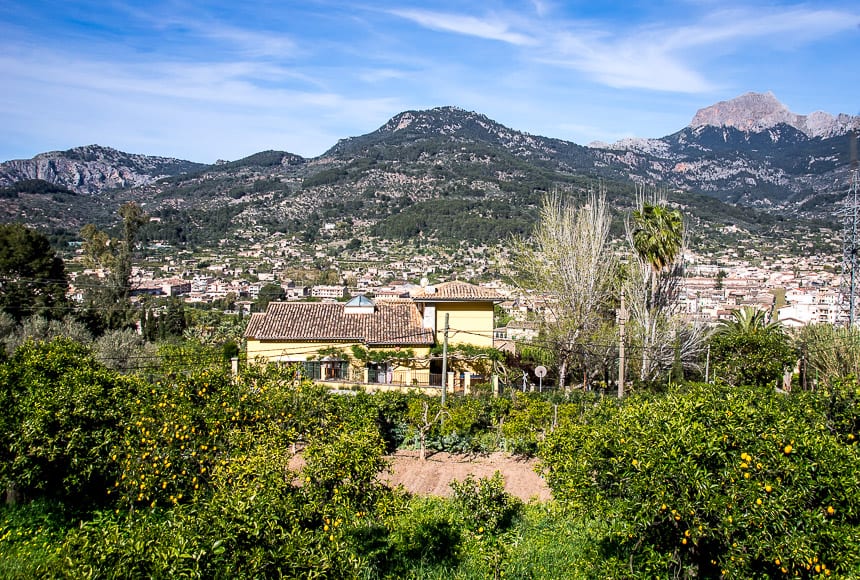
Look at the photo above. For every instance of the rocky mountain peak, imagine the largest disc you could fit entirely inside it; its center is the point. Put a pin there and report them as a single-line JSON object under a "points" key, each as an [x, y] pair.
{"points": [[440, 120], [757, 112], [91, 169], [749, 112]]}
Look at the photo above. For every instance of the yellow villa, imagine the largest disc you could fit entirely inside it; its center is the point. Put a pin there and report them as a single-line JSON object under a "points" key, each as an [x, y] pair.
{"points": [[383, 341]]}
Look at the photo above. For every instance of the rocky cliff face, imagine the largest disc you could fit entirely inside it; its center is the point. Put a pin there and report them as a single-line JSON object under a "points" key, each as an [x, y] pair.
{"points": [[93, 169], [757, 112], [750, 150]]}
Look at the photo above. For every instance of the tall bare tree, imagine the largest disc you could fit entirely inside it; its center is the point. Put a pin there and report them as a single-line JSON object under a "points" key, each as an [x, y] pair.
{"points": [[567, 261]]}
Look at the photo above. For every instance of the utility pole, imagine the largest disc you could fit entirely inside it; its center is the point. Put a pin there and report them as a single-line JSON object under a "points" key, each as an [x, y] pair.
{"points": [[851, 237], [445, 360], [622, 320]]}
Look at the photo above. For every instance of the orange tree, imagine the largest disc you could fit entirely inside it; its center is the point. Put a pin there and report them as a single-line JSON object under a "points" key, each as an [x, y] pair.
{"points": [[714, 481], [748, 350], [182, 427], [60, 415], [205, 467], [259, 518]]}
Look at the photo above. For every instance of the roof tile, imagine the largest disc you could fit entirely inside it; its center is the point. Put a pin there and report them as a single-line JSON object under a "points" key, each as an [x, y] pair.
{"points": [[457, 291], [391, 323]]}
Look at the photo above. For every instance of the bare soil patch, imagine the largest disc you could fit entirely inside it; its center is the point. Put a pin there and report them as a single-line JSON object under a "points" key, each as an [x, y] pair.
{"points": [[434, 476]]}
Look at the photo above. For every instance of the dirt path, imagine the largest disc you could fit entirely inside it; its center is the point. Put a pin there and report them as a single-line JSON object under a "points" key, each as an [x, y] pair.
{"points": [[433, 476]]}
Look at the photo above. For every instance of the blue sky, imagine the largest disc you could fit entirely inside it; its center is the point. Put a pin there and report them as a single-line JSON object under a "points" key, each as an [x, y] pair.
{"points": [[225, 79]]}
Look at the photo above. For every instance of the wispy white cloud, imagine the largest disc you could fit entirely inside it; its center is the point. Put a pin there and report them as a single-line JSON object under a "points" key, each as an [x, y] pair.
{"points": [[224, 81], [541, 7], [788, 27], [381, 74], [644, 55], [216, 108], [487, 28], [251, 43], [668, 58]]}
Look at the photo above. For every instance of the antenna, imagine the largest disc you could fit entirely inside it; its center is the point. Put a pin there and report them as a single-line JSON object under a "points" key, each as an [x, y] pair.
{"points": [[851, 233]]}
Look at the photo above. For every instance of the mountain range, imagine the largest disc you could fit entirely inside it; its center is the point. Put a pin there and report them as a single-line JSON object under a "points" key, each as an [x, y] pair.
{"points": [[447, 173]]}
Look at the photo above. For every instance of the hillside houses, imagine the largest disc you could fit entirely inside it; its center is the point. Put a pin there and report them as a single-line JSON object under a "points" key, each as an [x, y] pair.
{"points": [[797, 290]]}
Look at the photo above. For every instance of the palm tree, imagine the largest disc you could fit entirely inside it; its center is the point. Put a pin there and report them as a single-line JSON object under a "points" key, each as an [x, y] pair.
{"points": [[658, 235], [657, 239], [747, 321]]}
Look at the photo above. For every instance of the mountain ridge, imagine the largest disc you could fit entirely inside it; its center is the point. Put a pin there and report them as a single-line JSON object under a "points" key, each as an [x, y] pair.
{"points": [[488, 177], [92, 169]]}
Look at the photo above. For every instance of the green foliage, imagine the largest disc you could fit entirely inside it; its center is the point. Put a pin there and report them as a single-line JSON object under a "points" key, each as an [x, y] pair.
{"points": [[372, 355], [106, 302], [658, 234], [193, 226], [693, 482], [29, 536], [124, 350], [421, 539], [554, 543], [748, 351], [39, 328], [185, 427], [61, 415], [467, 357], [487, 511], [713, 480], [32, 277], [484, 504], [270, 292], [466, 425], [216, 453], [166, 320], [483, 221], [256, 522], [828, 353], [528, 424], [214, 327]]}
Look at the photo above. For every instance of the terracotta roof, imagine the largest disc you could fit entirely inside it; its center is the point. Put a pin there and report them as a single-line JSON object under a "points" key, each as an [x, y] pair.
{"points": [[457, 291], [391, 323]]}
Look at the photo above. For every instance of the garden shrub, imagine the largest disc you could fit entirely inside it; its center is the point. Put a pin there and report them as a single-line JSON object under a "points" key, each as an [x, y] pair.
{"points": [[486, 512], [484, 504], [528, 423], [422, 539]]}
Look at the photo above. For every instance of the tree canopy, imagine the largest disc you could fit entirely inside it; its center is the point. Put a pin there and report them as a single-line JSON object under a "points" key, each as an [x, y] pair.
{"points": [[32, 276], [566, 257]]}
